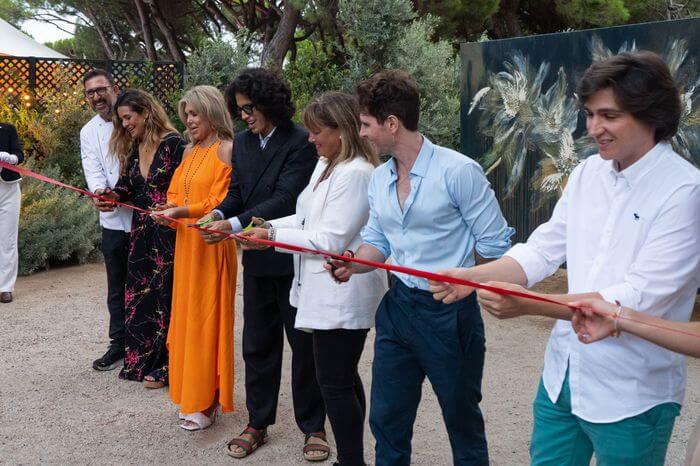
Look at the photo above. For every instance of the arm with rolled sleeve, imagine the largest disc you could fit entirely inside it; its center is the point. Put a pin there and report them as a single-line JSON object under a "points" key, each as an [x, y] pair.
{"points": [[669, 258], [94, 171], [344, 214], [471, 191], [372, 233], [545, 249]]}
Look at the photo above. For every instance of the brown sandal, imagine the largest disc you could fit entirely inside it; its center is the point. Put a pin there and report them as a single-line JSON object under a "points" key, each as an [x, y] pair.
{"points": [[320, 445], [259, 438]]}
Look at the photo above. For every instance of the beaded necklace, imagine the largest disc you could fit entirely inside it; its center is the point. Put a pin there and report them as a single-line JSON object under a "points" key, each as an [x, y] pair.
{"points": [[195, 152]]}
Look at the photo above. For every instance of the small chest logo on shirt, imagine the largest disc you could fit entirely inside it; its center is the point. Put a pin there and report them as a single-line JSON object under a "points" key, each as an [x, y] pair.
{"points": [[636, 216]]}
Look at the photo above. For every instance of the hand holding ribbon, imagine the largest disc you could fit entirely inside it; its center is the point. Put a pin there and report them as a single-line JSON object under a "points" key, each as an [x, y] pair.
{"points": [[255, 232], [104, 199], [449, 285], [500, 305], [6, 157]]}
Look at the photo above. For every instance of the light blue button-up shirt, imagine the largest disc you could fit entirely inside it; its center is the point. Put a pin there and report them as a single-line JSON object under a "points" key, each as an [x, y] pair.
{"points": [[450, 212]]}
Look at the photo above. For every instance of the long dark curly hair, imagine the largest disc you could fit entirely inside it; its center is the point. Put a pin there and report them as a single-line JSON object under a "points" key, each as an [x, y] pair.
{"points": [[269, 93]]}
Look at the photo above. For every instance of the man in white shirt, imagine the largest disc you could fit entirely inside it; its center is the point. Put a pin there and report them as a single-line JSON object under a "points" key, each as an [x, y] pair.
{"points": [[101, 170], [628, 227]]}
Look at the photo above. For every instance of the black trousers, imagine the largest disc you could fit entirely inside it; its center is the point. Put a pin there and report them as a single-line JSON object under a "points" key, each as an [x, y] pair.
{"points": [[337, 353], [267, 314], [115, 249]]}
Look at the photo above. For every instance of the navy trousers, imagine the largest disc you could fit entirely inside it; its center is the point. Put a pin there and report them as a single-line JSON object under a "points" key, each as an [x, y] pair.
{"points": [[418, 337]]}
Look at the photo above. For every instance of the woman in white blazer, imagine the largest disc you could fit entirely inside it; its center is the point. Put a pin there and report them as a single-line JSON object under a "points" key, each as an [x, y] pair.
{"points": [[330, 213]]}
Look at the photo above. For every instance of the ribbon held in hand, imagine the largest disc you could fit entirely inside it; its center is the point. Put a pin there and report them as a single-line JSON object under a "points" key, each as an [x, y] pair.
{"points": [[327, 254]]}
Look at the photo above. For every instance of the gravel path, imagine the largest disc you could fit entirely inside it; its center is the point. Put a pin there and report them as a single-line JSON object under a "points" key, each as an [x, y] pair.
{"points": [[55, 409]]}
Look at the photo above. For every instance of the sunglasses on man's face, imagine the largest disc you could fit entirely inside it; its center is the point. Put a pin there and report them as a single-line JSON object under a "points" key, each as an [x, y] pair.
{"points": [[100, 91], [247, 109]]}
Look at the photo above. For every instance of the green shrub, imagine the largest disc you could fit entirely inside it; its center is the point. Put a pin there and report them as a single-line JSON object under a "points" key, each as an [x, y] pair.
{"points": [[388, 34], [311, 74], [63, 113], [55, 225], [433, 66], [216, 62]]}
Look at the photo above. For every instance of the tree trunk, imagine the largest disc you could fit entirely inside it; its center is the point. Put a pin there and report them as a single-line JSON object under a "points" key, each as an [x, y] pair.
{"points": [[276, 49], [221, 20], [100, 32], [146, 33], [506, 22], [328, 18], [167, 30]]}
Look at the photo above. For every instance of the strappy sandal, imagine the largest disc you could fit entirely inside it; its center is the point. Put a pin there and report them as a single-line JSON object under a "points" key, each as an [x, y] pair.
{"points": [[157, 378], [259, 439], [320, 445]]}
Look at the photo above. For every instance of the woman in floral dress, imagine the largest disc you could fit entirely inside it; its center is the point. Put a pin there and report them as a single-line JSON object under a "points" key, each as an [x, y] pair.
{"points": [[149, 150]]}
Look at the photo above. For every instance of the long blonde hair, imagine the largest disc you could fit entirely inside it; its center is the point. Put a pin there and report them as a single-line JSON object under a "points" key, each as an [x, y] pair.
{"points": [[158, 125], [340, 111], [209, 103]]}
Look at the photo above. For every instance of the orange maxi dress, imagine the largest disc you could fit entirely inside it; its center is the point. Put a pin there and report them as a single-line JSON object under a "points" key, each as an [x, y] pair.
{"points": [[200, 339]]}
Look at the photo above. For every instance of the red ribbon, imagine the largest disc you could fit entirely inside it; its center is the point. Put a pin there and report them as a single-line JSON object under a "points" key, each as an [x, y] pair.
{"points": [[295, 248], [302, 250]]}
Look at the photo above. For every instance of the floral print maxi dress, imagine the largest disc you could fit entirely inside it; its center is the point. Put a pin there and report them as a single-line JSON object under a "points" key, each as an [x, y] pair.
{"points": [[149, 281]]}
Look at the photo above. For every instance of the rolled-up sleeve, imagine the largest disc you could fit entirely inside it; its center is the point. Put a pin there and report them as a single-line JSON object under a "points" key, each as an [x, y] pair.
{"points": [[372, 232], [545, 249], [471, 191]]}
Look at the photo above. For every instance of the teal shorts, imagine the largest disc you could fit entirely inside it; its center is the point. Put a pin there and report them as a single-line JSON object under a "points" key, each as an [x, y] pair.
{"points": [[560, 438]]}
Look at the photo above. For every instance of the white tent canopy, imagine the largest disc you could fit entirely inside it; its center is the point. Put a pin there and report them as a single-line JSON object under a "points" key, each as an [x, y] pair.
{"points": [[16, 43]]}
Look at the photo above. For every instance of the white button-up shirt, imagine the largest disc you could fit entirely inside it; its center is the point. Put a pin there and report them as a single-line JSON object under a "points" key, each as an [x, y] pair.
{"points": [[632, 236], [102, 168]]}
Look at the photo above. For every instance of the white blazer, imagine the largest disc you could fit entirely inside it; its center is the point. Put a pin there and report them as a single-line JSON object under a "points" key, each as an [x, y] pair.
{"points": [[330, 219]]}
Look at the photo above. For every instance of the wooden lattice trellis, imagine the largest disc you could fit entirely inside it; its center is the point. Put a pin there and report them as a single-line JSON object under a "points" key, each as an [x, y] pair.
{"points": [[41, 74]]}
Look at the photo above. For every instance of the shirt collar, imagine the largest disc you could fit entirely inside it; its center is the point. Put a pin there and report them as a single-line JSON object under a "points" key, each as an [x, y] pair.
{"points": [[635, 172], [266, 139], [420, 166]]}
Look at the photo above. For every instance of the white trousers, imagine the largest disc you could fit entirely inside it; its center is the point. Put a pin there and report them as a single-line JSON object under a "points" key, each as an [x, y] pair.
{"points": [[9, 223]]}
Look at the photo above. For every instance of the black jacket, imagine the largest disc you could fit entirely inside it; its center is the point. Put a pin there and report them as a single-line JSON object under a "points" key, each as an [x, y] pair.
{"points": [[9, 142], [265, 183]]}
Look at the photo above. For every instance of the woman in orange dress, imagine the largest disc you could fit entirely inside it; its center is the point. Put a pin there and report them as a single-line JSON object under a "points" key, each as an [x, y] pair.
{"points": [[200, 339]]}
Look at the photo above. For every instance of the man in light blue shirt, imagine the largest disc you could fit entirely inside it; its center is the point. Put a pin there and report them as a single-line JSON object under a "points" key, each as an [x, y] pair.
{"points": [[429, 207]]}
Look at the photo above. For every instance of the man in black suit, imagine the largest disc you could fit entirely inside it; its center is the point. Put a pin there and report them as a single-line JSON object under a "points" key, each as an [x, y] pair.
{"points": [[10, 152], [272, 163]]}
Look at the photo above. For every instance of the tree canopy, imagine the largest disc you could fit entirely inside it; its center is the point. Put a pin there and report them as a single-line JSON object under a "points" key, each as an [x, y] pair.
{"points": [[173, 29]]}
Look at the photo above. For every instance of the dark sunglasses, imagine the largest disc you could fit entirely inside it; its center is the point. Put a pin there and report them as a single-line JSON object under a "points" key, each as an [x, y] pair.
{"points": [[247, 109], [100, 91]]}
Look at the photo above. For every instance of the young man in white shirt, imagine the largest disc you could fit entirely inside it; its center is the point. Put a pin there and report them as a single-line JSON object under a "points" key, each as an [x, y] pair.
{"points": [[627, 226], [101, 170]]}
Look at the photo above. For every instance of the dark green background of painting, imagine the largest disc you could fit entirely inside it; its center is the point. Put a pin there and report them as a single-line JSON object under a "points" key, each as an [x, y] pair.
{"points": [[570, 50]]}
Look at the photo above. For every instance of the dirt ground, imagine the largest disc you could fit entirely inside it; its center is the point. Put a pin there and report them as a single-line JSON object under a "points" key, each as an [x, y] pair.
{"points": [[54, 408]]}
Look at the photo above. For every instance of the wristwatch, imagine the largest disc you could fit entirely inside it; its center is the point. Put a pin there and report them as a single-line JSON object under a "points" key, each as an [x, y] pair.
{"points": [[216, 215]]}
